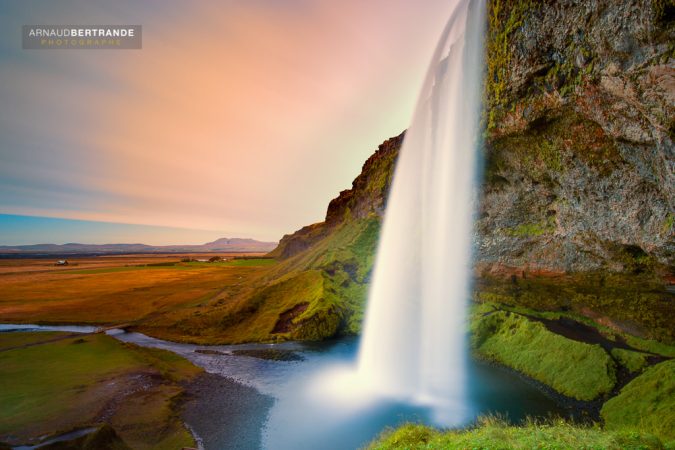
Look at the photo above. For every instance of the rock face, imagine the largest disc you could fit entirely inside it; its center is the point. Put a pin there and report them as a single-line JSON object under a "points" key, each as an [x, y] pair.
{"points": [[580, 159], [576, 209]]}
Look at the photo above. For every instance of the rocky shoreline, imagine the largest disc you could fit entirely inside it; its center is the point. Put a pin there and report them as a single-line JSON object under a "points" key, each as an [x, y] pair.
{"points": [[224, 413]]}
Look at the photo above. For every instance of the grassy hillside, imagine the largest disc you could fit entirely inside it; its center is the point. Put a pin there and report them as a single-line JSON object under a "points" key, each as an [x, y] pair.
{"points": [[315, 294]]}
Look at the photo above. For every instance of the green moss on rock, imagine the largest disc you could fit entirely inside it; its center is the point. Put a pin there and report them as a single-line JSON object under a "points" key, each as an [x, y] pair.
{"points": [[575, 369], [532, 229], [637, 303], [504, 18], [545, 149]]}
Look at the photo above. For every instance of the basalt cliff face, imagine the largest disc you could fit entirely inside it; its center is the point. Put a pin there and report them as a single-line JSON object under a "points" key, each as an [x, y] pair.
{"points": [[581, 97], [576, 210]]}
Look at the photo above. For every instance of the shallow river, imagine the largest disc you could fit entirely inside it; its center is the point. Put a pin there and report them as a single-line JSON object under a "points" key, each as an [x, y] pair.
{"points": [[315, 406]]}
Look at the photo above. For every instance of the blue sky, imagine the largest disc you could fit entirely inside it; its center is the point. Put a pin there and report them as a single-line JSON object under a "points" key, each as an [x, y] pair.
{"points": [[22, 230]]}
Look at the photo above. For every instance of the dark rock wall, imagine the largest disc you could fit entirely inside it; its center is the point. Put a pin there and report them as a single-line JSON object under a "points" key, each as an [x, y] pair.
{"points": [[579, 152]]}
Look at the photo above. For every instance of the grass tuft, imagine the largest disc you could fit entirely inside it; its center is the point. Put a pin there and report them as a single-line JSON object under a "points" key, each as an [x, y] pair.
{"points": [[494, 433]]}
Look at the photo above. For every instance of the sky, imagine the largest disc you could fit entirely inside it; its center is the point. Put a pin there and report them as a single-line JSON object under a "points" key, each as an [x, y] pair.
{"points": [[236, 118]]}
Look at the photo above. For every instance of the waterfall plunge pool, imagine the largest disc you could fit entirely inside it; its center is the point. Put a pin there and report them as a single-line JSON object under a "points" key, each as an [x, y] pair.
{"points": [[313, 403]]}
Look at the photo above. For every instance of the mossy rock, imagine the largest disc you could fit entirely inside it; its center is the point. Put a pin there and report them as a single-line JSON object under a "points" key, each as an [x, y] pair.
{"points": [[575, 369]]}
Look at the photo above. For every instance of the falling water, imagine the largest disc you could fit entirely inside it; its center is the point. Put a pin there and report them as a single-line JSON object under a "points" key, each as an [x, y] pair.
{"points": [[413, 345]]}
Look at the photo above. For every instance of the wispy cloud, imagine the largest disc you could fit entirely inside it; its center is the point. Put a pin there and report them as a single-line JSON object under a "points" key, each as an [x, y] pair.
{"points": [[244, 117]]}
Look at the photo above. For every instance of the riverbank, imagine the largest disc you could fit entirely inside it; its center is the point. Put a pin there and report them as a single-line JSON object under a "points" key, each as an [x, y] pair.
{"points": [[256, 387], [224, 413], [260, 395], [77, 382]]}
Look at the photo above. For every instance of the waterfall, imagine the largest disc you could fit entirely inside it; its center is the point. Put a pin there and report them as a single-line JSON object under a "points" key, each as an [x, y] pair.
{"points": [[414, 339]]}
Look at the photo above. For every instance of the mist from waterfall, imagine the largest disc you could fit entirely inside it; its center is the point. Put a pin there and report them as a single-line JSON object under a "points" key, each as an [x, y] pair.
{"points": [[414, 341]]}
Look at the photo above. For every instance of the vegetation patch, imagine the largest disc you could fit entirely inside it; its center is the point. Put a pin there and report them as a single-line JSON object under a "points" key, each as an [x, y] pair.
{"points": [[58, 386], [629, 303], [575, 369], [117, 294], [504, 18], [547, 148], [532, 229], [646, 404], [491, 433], [632, 361], [345, 257]]}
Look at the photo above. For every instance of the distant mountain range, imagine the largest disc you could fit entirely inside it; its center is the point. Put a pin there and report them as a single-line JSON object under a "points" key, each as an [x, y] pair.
{"points": [[225, 245]]}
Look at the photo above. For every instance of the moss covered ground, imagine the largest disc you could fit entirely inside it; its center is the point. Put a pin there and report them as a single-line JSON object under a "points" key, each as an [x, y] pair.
{"points": [[575, 369], [646, 404], [637, 302], [640, 416], [633, 361], [87, 380]]}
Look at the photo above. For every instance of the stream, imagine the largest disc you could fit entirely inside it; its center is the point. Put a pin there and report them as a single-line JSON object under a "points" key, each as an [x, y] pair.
{"points": [[314, 403]]}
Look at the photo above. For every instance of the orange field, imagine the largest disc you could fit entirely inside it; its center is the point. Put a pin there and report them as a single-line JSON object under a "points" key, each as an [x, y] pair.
{"points": [[116, 289]]}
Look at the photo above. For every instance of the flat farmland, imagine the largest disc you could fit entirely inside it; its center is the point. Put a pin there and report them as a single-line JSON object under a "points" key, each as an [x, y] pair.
{"points": [[117, 289]]}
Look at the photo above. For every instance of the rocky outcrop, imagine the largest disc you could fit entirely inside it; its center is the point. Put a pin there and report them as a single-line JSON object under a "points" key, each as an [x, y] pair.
{"points": [[577, 204], [580, 161], [366, 198]]}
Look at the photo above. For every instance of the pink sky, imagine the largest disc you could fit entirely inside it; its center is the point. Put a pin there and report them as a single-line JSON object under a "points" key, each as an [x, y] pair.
{"points": [[242, 117]]}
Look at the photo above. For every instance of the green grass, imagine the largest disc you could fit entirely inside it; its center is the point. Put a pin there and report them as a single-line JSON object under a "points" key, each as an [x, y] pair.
{"points": [[633, 361], [15, 339], [492, 301], [330, 277], [575, 369], [255, 318], [37, 381], [496, 434], [345, 257], [253, 262], [650, 345], [646, 403], [629, 301], [60, 385], [248, 262]]}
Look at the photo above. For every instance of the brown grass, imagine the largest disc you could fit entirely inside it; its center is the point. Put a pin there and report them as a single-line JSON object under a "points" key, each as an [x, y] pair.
{"points": [[38, 291]]}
